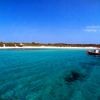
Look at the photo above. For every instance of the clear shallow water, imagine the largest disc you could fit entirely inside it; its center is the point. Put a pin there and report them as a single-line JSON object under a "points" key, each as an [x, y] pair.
{"points": [[49, 75]]}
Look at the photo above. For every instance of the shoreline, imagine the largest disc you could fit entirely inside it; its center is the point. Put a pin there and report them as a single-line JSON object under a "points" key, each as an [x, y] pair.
{"points": [[46, 47]]}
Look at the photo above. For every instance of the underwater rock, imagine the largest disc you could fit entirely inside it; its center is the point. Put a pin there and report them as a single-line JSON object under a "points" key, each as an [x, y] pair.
{"points": [[73, 76]]}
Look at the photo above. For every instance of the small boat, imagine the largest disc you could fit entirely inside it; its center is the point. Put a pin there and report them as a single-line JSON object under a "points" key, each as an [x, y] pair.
{"points": [[93, 52]]}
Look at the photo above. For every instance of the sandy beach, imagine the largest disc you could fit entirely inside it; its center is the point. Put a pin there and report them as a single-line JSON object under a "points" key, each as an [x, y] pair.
{"points": [[46, 47]]}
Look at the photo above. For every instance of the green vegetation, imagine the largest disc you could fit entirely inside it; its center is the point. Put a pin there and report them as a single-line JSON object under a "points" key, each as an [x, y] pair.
{"points": [[1, 44], [13, 44]]}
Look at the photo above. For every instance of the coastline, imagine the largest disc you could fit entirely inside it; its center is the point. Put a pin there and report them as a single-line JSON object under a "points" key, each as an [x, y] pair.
{"points": [[46, 47]]}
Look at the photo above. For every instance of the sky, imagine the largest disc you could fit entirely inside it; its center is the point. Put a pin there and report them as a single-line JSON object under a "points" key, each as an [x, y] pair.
{"points": [[50, 21]]}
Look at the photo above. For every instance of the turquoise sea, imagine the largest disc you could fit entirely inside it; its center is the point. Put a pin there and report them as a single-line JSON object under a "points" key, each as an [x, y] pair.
{"points": [[49, 74]]}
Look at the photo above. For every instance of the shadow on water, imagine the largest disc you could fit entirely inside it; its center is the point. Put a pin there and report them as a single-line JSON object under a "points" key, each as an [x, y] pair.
{"points": [[74, 76], [94, 56]]}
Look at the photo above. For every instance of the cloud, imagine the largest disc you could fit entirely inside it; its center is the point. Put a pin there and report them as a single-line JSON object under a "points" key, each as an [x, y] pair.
{"points": [[90, 30], [93, 28]]}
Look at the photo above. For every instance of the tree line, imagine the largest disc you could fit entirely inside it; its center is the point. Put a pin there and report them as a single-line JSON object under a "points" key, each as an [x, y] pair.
{"points": [[14, 44]]}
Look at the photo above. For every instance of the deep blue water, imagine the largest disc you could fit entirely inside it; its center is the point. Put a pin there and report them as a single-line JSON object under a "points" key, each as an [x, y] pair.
{"points": [[49, 75]]}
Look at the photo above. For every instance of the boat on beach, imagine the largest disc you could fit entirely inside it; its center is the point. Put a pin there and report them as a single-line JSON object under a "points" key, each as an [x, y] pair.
{"points": [[94, 52]]}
